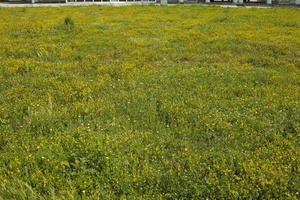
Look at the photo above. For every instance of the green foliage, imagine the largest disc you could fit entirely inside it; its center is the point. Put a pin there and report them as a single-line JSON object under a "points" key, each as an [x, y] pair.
{"points": [[147, 102], [69, 22]]}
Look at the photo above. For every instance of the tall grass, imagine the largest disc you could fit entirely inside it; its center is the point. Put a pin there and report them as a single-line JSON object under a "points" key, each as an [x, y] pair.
{"points": [[147, 102]]}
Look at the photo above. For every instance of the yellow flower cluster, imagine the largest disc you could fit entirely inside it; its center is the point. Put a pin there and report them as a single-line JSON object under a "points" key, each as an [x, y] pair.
{"points": [[149, 102]]}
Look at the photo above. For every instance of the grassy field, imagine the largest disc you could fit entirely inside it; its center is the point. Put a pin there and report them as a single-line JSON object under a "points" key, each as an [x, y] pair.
{"points": [[149, 102]]}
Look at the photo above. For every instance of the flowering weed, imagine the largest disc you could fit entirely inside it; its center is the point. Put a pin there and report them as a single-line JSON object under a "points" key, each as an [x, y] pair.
{"points": [[149, 102]]}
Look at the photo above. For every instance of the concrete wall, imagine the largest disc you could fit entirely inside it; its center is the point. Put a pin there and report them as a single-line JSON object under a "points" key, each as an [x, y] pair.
{"points": [[36, 1], [286, 1]]}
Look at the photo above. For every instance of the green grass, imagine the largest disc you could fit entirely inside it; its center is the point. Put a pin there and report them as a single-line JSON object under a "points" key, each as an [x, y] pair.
{"points": [[149, 102]]}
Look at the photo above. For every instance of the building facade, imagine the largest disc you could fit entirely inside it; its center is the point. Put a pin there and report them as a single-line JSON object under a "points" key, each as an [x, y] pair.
{"points": [[278, 2]]}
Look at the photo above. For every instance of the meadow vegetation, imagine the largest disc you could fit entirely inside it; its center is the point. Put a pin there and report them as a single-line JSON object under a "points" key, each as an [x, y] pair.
{"points": [[149, 102]]}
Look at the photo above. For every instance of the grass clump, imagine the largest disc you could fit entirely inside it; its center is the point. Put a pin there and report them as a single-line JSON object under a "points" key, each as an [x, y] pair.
{"points": [[69, 22]]}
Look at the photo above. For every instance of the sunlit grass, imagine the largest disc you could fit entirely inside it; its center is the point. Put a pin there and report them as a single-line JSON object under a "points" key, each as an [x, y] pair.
{"points": [[149, 102]]}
